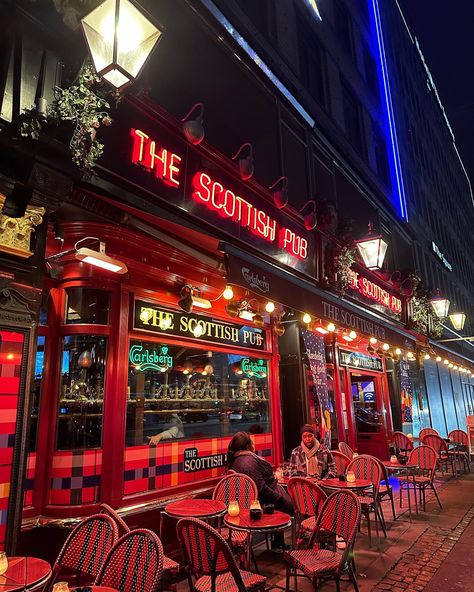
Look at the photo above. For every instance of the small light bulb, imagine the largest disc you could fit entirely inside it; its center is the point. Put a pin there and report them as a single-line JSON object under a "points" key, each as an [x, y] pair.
{"points": [[385, 346], [331, 327], [446, 362], [306, 318], [198, 330], [373, 341], [450, 365], [410, 355], [228, 293], [455, 367], [398, 351], [269, 306], [352, 334], [438, 358], [427, 356]]}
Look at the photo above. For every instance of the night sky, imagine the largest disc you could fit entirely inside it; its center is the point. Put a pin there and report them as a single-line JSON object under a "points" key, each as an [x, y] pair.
{"points": [[445, 33]]}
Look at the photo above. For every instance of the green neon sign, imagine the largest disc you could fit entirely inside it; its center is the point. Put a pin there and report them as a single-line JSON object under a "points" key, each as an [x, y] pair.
{"points": [[150, 359], [254, 368]]}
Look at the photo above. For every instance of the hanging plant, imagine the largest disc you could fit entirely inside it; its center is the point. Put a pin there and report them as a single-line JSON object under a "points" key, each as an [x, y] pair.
{"points": [[84, 105], [422, 318], [344, 258]]}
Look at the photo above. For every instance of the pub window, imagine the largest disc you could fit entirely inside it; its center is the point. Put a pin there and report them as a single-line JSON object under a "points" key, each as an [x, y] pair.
{"points": [[37, 385], [81, 401], [87, 306], [177, 393]]}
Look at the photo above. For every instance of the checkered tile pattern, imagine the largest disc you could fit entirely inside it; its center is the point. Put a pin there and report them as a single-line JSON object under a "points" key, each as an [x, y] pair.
{"points": [[162, 466], [29, 480], [11, 355], [75, 477], [135, 563]]}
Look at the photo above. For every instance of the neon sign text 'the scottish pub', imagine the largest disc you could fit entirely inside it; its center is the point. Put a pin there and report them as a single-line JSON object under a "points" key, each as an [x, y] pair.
{"points": [[165, 165]]}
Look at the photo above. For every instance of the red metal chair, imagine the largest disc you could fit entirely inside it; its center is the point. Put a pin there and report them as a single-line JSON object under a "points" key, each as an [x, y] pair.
{"points": [[427, 432], [441, 448], [426, 458], [339, 515], [85, 551], [460, 441], [403, 444], [345, 449], [210, 565], [368, 467], [134, 564], [170, 574], [307, 498], [341, 461], [242, 488]]}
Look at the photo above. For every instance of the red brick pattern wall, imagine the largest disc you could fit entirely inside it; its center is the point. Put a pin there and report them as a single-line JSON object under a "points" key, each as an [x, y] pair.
{"points": [[11, 353]]}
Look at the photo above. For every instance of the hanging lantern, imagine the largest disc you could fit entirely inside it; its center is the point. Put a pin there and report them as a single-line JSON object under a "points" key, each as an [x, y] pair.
{"points": [[85, 359], [440, 306], [232, 309], [258, 321], [458, 319], [372, 249], [120, 39], [279, 328]]}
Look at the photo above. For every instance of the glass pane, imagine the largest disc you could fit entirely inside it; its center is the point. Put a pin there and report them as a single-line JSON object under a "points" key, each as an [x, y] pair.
{"points": [[87, 306], [368, 418], [180, 393], [37, 384], [82, 392]]}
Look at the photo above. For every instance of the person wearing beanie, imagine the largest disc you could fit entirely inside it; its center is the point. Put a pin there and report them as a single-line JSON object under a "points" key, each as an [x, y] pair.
{"points": [[312, 458]]}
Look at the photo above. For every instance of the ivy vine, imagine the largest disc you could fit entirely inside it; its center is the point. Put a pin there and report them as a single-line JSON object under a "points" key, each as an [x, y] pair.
{"points": [[83, 105], [422, 317]]}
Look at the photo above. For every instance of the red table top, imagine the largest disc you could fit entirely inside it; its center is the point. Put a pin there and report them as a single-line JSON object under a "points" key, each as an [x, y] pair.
{"points": [[24, 572], [398, 466], [98, 589], [243, 520], [195, 508], [336, 484]]}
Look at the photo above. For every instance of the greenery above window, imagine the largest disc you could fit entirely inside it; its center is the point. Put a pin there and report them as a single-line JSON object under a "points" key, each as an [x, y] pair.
{"points": [[83, 105]]}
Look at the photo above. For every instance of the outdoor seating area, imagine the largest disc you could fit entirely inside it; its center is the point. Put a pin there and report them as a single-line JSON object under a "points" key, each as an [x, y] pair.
{"points": [[224, 540]]}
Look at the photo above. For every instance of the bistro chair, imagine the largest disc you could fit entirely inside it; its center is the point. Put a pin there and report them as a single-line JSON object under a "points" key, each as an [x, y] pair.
{"points": [[85, 551], [345, 449], [134, 564], [170, 574], [341, 461], [368, 467], [307, 498], [340, 516], [441, 448], [427, 432], [209, 563], [240, 487], [460, 441], [403, 445], [385, 489], [426, 458]]}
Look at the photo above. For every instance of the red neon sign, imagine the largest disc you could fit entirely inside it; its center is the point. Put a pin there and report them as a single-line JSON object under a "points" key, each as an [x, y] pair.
{"points": [[165, 165], [374, 292]]}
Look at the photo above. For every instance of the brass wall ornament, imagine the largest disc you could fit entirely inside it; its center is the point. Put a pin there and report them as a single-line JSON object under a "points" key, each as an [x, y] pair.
{"points": [[15, 233]]}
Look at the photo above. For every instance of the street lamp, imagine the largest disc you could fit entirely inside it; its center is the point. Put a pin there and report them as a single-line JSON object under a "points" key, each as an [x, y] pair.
{"points": [[372, 249], [120, 39], [458, 319], [440, 306]]}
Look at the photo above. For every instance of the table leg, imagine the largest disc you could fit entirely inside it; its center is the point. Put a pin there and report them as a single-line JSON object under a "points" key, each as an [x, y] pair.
{"points": [[414, 489], [161, 526], [293, 532], [249, 551]]}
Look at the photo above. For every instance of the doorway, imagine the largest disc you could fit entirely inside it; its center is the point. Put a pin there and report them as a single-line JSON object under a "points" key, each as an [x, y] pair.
{"points": [[369, 433]]}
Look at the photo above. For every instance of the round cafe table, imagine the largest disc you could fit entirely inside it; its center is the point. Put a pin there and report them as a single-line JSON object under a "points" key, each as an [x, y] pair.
{"points": [[24, 573], [267, 524], [408, 469], [352, 485], [204, 509], [95, 588]]}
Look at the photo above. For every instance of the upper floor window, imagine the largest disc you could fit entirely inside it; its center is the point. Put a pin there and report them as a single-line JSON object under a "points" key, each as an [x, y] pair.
{"points": [[352, 119], [381, 158], [370, 72], [87, 306], [344, 27]]}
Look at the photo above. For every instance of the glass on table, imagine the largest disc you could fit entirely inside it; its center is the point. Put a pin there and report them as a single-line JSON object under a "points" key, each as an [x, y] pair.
{"points": [[61, 587], [233, 509], [350, 477], [3, 562]]}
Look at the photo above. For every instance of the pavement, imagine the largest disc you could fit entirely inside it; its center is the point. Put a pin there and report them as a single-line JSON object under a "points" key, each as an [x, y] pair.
{"points": [[432, 552]]}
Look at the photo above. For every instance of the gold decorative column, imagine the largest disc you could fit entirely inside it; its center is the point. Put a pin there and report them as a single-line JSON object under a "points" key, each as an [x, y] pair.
{"points": [[15, 233]]}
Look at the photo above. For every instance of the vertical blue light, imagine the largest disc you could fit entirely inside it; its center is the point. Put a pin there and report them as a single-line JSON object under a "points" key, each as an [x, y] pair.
{"points": [[399, 200]]}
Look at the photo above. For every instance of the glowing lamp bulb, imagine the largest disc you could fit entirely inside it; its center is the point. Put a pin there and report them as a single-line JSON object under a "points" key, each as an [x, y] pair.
{"points": [[352, 334], [269, 307], [373, 341], [331, 327], [427, 356], [398, 351], [228, 293], [446, 362], [385, 347], [198, 331], [438, 358], [306, 318]]}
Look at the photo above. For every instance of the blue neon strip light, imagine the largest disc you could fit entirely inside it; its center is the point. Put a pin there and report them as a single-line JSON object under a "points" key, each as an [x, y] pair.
{"points": [[390, 113], [261, 64]]}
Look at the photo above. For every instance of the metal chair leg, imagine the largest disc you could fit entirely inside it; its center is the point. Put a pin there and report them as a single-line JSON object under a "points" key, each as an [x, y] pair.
{"points": [[436, 494]]}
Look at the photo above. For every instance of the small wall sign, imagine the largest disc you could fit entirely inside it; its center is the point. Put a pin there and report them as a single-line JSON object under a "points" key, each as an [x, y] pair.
{"points": [[150, 359], [193, 462], [360, 361]]}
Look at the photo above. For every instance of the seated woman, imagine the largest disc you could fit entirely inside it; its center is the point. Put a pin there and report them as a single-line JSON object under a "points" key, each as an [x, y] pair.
{"points": [[242, 459]]}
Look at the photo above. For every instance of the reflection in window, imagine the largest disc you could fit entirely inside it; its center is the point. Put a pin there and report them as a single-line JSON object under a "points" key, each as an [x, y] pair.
{"points": [[87, 306], [37, 384], [368, 418], [82, 392], [177, 392]]}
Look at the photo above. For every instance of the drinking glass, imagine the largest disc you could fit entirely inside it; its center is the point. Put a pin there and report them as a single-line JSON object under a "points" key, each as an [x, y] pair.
{"points": [[233, 509], [61, 587], [350, 477], [3, 562]]}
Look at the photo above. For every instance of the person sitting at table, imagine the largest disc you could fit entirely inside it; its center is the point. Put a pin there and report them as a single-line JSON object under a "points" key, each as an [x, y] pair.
{"points": [[175, 430], [242, 459], [311, 457]]}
